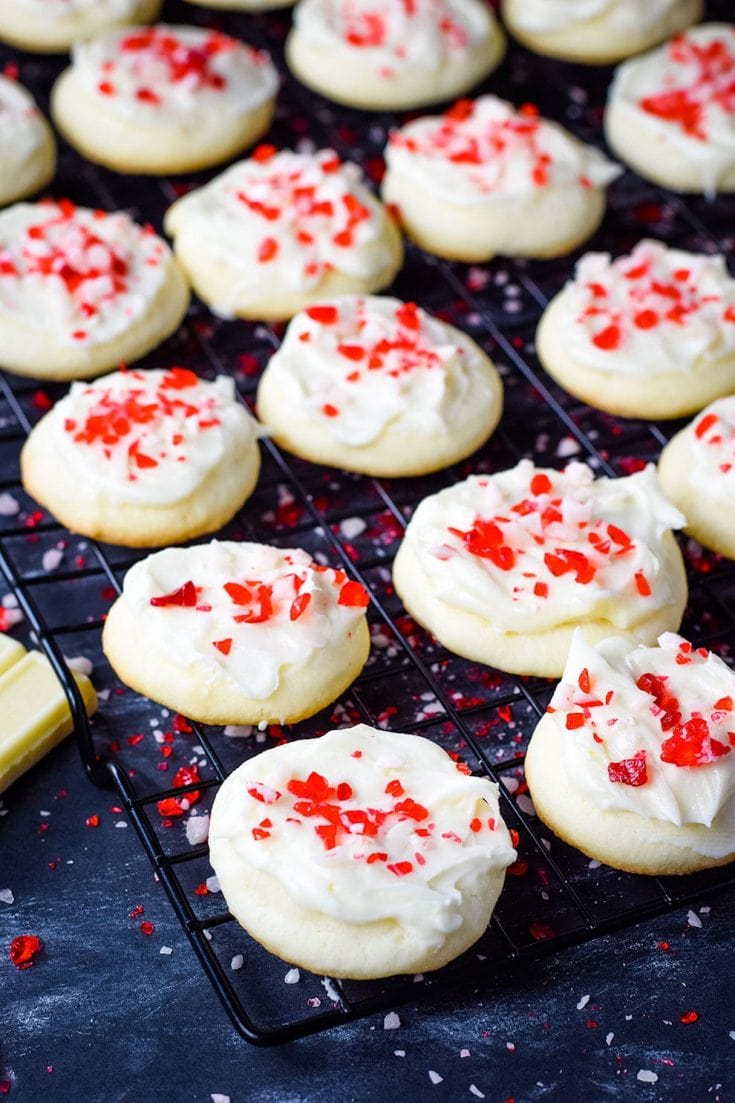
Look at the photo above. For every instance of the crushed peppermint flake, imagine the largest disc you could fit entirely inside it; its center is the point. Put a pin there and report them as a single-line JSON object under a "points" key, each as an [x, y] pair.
{"points": [[732, 1035], [510, 1046], [166, 950], [693, 919], [608, 1038], [197, 830], [218, 1097], [583, 1002], [237, 962], [465, 1053], [646, 1076], [352, 527], [51, 559], [329, 988], [238, 731], [474, 1090], [9, 505], [435, 1077], [399, 1053], [80, 663], [293, 976], [6, 896], [391, 1021], [213, 884]]}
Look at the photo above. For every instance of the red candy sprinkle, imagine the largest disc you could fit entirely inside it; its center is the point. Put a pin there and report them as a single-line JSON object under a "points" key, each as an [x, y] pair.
{"points": [[353, 594], [688, 1017], [629, 771], [225, 646], [608, 338], [23, 950], [326, 315], [147, 927], [185, 596]]}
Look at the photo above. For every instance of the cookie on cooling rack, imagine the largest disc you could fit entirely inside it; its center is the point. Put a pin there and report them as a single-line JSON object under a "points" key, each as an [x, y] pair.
{"points": [[501, 568], [279, 231], [82, 291], [164, 99], [377, 385], [380, 55], [671, 114], [53, 26], [144, 458], [597, 33], [361, 854], [232, 633], [633, 761], [27, 146], [485, 178], [650, 335], [697, 473]]}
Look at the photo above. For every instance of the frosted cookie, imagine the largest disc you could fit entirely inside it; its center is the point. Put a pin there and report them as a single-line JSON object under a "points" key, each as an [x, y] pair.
{"points": [[244, 5], [671, 113], [596, 32], [238, 633], [53, 26], [647, 335], [280, 231], [485, 178], [27, 146], [633, 762], [144, 458], [82, 290], [361, 854], [502, 568], [379, 54], [164, 99], [697, 473], [379, 386]]}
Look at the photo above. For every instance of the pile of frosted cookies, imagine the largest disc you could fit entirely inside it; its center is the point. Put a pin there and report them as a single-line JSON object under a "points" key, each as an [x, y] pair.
{"points": [[364, 852]]}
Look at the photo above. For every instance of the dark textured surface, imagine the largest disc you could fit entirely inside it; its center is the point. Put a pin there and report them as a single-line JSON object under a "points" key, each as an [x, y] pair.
{"points": [[103, 1014]]}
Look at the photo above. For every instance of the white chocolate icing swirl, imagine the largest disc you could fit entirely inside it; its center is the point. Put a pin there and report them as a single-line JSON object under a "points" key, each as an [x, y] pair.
{"points": [[149, 437], [361, 363], [657, 310], [175, 74], [651, 730], [403, 827], [81, 276], [298, 214], [483, 150], [241, 611], [538, 548], [395, 34], [21, 128]]}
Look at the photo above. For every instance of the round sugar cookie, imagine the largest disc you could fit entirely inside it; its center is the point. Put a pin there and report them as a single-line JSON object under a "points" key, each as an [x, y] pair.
{"points": [[53, 26], [27, 146], [596, 32], [697, 473], [649, 335], [82, 291], [379, 386], [232, 633], [670, 114], [382, 55], [164, 99], [502, 568], [633, 761], [279, 231], [485, 178], [144, 458], [360, 854]]}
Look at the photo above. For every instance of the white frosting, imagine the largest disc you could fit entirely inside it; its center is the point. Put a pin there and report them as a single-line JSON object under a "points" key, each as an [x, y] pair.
{"points": [[695, 784], [298, 214], [21, 126], [549, 16], [484, 150], [444, 854], [656, 310], [58, 10], [536, 516], [711, 439], [81, 276], [174, 75], [684, 94], [391, 35], [360, 363], [271, 580], [149, 437]]}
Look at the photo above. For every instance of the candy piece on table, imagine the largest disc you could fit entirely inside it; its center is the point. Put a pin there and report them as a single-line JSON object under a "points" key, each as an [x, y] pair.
{"points": [[34, 712]]}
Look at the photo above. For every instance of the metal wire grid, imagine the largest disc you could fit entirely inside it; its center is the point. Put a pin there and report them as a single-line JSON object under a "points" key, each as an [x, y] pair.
{"points": [[555, 896]]}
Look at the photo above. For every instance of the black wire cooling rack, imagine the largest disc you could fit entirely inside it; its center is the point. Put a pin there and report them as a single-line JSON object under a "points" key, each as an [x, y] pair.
{"points": [[554, 896]]}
